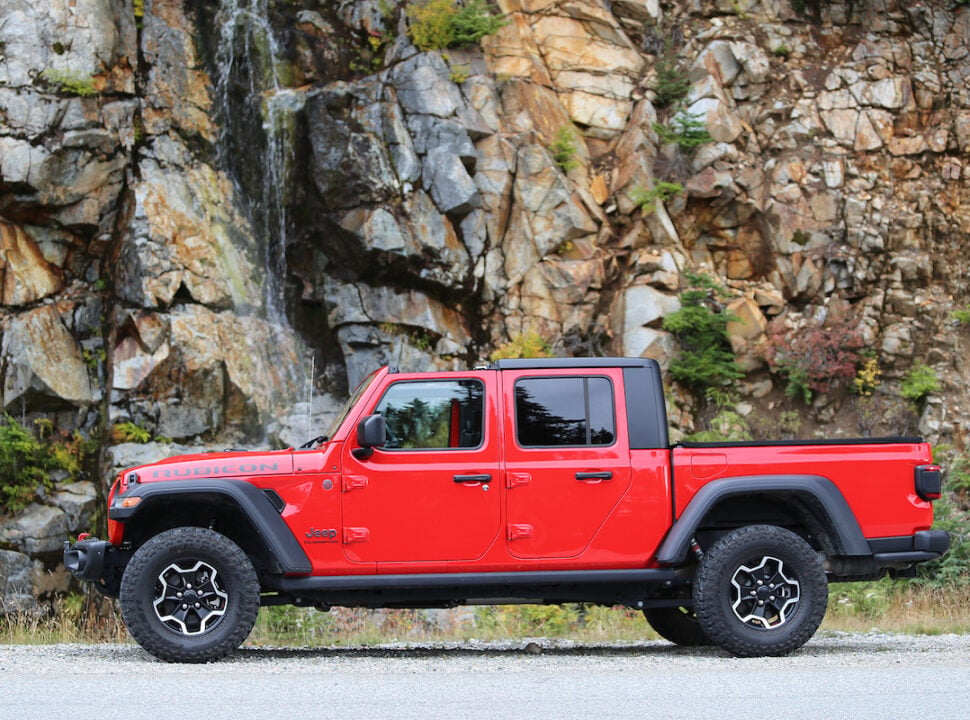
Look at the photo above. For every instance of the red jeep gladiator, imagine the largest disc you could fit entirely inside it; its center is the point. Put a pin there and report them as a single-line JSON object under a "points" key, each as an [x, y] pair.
{"points": [[534, 481]]}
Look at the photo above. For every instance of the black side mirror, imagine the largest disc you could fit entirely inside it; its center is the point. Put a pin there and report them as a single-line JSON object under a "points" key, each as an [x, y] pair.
{"points": [[371, 433]]}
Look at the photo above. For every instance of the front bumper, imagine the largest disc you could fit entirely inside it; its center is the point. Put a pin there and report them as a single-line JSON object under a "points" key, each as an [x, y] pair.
{"points": [[96, 561]]}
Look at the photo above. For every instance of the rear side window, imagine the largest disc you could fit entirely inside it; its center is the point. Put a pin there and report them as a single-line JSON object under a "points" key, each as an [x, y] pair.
{"points": [[564, 411], [435, 414]]}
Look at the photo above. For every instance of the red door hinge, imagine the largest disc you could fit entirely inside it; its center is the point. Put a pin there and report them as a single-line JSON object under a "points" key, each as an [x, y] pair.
{"points": [[518, 531], [514, 480], [354, 482], [356, 535]]}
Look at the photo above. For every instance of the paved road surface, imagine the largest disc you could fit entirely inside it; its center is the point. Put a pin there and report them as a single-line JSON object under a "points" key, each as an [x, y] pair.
{"points": [[857, 677]]}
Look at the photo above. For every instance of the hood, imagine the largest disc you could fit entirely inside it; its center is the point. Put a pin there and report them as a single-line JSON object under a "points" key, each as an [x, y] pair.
{"points": [[216, 465]]}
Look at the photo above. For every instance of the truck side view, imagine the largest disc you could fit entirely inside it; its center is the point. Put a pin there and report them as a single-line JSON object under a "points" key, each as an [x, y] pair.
{"points": [[536, 481]]}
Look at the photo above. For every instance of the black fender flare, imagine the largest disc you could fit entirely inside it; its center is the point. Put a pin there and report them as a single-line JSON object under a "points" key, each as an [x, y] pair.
{"points": [[250, 501], [840, 519]]}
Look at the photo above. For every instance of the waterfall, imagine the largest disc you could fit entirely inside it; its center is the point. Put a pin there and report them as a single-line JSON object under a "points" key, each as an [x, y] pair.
{"points": [[255, 113]]}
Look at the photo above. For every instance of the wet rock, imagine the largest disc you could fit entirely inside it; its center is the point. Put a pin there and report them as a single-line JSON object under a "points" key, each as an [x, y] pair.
{"points": [[349, 167], [417, 233], [548, 210], [16, 583], [38, 530], [448, 182], [185, 233], [44, 360], [176, 96], [25, 275], [78, 501]]}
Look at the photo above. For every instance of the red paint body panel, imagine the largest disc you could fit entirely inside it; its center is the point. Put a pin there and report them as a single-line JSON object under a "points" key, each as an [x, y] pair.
{"points": [[875, 479], [397, 510]]}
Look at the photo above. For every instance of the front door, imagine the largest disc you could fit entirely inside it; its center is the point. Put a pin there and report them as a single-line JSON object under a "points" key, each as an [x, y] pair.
{"points": [[567, 460], [431, 494]]}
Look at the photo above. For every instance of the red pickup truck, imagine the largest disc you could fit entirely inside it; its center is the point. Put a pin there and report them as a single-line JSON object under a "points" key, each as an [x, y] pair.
{"points": [[537, 481]]}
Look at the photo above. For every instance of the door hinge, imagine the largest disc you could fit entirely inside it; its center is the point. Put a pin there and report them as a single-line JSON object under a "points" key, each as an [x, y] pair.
{"points": [[519, 531], [354, 482], [514, 480], [356, 535]]}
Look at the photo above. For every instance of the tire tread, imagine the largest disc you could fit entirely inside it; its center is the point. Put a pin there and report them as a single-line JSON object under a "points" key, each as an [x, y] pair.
{"points": [[221, 551], [726, 630]]}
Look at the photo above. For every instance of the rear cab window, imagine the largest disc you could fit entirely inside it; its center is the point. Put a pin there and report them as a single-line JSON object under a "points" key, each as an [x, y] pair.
{"points": [[564, 411]]}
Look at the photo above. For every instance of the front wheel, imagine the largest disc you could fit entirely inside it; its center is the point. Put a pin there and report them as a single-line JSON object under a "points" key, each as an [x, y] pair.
{"points": [[189, 595], [759, 591]]}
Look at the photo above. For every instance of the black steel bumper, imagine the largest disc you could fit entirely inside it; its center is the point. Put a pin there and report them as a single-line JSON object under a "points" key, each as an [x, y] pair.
{"points": [[96, 561], [923, 546]]}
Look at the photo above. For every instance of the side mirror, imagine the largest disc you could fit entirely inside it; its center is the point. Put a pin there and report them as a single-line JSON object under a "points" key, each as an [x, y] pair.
{"points": [[371, 433]]}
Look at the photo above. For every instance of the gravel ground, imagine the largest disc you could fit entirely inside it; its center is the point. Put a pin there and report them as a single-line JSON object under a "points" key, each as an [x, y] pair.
{"points": [[877, 676]]}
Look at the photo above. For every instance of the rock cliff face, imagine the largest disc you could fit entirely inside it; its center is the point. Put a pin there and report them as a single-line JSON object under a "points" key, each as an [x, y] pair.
{"points": [[195, 197]]}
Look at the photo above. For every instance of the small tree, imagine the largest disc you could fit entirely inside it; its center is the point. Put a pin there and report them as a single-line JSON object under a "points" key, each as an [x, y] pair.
{"points": [[920, 382], [563, 148], [673, 83], [700, 326]]}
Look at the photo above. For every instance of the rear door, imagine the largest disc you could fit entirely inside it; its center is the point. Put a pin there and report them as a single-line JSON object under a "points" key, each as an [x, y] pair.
{"points": [[567, 458], [427, 496]]}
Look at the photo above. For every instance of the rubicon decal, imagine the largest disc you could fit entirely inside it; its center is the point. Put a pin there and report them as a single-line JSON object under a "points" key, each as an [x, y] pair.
{"points": [[214, 470]]}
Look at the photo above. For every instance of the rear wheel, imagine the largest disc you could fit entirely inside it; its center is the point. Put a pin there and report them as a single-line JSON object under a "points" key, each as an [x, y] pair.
{"points": [[677, 624], [189, 595], [760, 590]]}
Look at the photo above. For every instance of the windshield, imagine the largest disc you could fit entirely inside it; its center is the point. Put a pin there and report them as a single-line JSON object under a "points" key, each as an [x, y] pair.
{"points": [[351, 401]]}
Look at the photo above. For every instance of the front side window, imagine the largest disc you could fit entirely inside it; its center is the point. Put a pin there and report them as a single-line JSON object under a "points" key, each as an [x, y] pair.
{"points": [[564, 411], [434, 414]]}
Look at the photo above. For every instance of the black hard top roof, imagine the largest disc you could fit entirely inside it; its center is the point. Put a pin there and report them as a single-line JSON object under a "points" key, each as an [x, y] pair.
{"points": [[570, 363]]}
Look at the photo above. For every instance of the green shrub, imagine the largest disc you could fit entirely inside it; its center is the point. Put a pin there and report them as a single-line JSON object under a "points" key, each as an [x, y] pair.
{"points": [[687, 130], [440, 24], [726, 426], [27, 461], [662, 191], [705, 359], [962, 316], [526, 345], [920, 382], [563, 148], [69, 82], [531, 620], [459, 74], [129, 432], [953, 569]]}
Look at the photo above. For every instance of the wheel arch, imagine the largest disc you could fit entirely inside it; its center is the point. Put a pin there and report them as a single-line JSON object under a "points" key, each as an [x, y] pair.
{"points": [[812, 501], [238, 510]]}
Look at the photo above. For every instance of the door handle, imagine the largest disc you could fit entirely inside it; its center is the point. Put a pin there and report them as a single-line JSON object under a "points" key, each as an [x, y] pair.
{"points": [[602, 475], [483, 478]]}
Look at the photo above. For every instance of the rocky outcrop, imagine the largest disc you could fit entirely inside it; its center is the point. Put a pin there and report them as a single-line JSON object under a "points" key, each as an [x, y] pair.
{"points": [[190, 204]]}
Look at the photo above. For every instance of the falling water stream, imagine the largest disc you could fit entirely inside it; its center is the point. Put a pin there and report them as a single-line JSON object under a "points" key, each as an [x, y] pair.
{"points": [[255, 111], [256, 114]]}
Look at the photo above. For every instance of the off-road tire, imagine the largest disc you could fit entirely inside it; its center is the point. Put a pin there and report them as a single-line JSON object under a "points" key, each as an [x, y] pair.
{"points": [[679, 625], [211, 573], [760, 591]]}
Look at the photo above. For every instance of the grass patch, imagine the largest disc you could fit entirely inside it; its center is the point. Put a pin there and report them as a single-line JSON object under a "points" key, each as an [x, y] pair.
{"points": [[74, 618], [887, 606], [898, 607]]}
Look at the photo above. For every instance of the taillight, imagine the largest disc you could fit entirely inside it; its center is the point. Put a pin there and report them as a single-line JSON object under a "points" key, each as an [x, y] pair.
{"points": [[929, 482]]}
